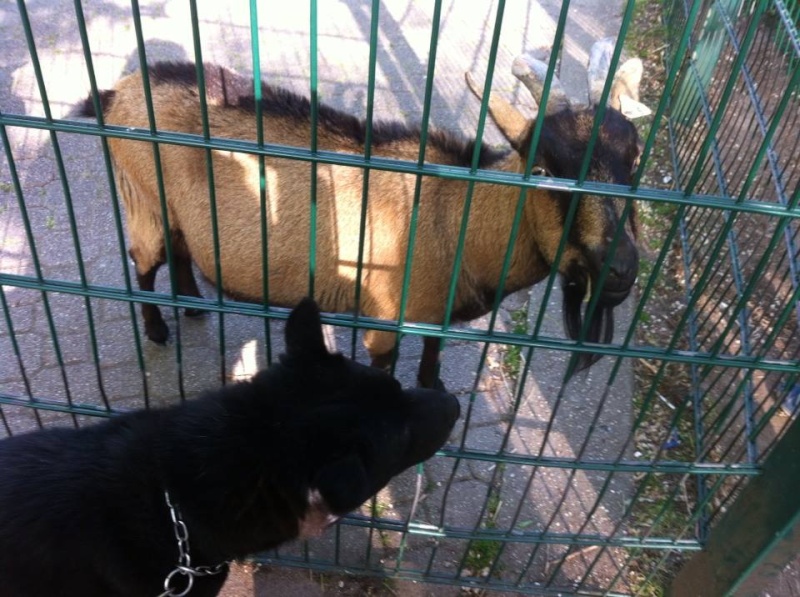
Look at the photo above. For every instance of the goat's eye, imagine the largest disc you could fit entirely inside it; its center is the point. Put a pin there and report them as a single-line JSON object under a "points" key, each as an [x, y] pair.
{"points": [[539, 171]]}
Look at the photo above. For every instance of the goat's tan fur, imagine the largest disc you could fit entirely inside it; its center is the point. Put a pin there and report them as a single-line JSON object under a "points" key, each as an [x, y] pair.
{"points": [[339, 205], [339, 195]]}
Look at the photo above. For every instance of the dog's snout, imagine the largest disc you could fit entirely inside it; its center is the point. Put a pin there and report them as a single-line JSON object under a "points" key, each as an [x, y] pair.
{"points": [[437, 404], [431, 419]]}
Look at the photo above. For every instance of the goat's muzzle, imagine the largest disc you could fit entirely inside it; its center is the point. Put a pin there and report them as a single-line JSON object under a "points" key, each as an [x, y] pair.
{"points": [[623, 267]]}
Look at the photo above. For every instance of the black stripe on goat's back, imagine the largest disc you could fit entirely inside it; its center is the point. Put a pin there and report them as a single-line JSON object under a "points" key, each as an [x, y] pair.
{"points": [[231, 89]]}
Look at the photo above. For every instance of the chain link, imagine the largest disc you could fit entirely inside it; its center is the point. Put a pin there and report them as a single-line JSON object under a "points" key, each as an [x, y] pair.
{"points": [[184, 568]]}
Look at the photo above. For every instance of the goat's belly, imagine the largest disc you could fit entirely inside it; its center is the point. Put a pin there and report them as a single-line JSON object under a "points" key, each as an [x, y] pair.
{"points": [[288, 266], [341, 255]]}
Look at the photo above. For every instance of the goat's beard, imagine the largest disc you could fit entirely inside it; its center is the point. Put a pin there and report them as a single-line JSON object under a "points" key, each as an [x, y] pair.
{"points": [[600, 327]]}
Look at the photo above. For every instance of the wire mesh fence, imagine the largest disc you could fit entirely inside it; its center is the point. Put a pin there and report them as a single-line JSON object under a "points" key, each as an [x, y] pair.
{"points": [[598, 484], [734, 131]]}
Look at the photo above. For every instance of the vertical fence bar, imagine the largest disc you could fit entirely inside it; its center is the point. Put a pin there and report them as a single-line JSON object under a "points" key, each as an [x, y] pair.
{"points": [[20, 362], [523, 197], [87, 53], [456, 268], [424, 130], [484, 110], [313, 83], [695, 291], [423, 142], [368, 130], [312, 228], [506, 265], [262, 172], [162, 197], [615, 369], [664, 101], [679, 221], [751, 431], [212, 191]]}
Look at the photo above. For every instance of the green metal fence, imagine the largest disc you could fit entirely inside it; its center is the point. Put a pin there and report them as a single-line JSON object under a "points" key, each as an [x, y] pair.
{"points": [[602, 485]]}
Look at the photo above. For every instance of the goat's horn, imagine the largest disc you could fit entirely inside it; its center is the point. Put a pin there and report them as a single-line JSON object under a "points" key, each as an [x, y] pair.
{"points": [[507, 118], [531, 71]]}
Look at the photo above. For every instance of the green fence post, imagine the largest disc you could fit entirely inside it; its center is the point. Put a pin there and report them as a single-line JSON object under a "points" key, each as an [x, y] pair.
{"points": [[755, 538]]}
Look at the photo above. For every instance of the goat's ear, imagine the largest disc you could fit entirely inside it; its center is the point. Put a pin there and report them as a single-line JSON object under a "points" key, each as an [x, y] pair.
{"points": [[632, 108], [625, 90], [304, 331], [624, 94]]}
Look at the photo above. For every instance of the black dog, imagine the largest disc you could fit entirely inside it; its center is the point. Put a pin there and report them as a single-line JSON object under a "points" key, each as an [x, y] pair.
{"points": [[250, 466]]}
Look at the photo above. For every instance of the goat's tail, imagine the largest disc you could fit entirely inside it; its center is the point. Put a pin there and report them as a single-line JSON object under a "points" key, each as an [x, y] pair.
{"points": [[86, 107]]}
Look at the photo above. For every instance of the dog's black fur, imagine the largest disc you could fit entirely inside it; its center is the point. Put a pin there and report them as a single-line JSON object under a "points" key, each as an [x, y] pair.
{"points": [[82, 511]]}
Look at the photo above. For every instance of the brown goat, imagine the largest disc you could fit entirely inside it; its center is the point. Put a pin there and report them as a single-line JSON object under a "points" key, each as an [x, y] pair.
{"points": [[231, 114]]}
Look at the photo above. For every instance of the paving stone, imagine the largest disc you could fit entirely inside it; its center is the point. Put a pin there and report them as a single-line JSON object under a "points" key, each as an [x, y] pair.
{"points": [[30, 347], [15, 420], [22, 315], [488, 438]]}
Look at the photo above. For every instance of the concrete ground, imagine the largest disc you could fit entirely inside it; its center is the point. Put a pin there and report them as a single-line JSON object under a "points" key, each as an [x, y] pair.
{"points": [[548, 419]]}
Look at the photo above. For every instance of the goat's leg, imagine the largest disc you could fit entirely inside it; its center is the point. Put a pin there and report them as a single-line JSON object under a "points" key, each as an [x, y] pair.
{"points": [[155, 327], [383, 361], [428, 375], [146, 232], [381, 347], [187, 285]]}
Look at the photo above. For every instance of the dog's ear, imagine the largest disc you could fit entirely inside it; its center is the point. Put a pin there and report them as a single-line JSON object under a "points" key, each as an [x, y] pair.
{"points": [[304, 331], [344, 484]]}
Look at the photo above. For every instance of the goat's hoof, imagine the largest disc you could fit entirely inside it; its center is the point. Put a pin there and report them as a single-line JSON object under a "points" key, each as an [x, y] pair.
{"points": [[192, 312], [158, 333]]}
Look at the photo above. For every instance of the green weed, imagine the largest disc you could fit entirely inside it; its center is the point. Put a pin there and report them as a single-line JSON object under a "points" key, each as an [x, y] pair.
{"points": [[512, 359]]}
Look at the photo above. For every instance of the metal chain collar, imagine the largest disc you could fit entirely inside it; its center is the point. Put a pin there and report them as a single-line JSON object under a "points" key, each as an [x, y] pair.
{"points": [[184, 568]]}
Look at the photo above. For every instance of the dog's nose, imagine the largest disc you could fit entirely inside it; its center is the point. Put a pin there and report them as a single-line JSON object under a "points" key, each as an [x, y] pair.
{"points": [[454, 407]]}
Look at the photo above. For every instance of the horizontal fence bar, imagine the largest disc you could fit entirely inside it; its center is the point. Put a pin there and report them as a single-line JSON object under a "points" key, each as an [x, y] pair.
{"points": [[415, 329], [391, 165], [622, 466], [60, 406], [528, 538]]}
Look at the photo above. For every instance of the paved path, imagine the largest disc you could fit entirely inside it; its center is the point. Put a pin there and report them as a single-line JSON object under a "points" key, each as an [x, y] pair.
{"points": [[553, 423]]}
